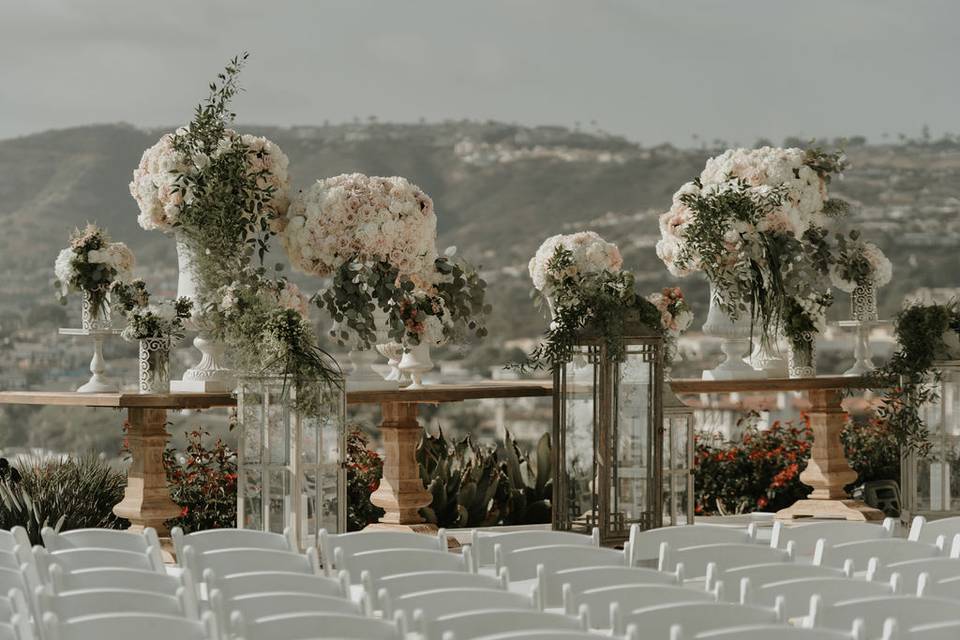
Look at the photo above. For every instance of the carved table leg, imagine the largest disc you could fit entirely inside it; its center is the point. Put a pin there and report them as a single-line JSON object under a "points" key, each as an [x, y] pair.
{"points": [[828, 471], [146, 500], [401, 493]]}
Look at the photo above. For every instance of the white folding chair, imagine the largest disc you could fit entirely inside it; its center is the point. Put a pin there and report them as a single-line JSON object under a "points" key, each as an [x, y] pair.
{"points": [[377, 564], [910, 570], [948, 588], [521, 564], [482, 543], [795, 594], [772, 632], [241, 584], [218, 539], [114, 539], [908, 611], [922, 530], [15, 536], [87, 602], [113, 578], [934, 631], [644, 546], [761, 574], [312, 625], [805, 536], [889, 549], [722, 556], [360, 541], [71, 560], [552, 585], [225, 562], [596, 602], [129, 625], [696, 617], [257, 606], [421, 608], [477, 624]]}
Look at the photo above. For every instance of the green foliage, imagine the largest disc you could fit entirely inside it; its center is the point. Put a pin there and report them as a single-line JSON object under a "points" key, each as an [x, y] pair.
{"points": [[872, 450], [69, 493], [530, 482], [203, 482], [364, 470]]}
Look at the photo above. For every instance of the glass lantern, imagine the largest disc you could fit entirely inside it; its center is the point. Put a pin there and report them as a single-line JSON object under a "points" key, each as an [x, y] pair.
{"points": [[289, 461], [930, 485], [608, 435], [678, 460]]}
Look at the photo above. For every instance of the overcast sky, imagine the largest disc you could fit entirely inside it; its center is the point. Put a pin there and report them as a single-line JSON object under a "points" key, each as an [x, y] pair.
{"points": [[653, 71]]}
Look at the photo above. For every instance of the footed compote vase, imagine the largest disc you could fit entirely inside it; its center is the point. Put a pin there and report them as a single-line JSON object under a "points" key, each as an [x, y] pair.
{"points": [[735, 345], [415, 363]]}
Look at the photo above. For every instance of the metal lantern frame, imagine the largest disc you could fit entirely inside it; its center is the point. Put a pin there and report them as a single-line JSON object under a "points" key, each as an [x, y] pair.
{"points": [[279, 445], [679, 459], [607, 474], [930, 485]]}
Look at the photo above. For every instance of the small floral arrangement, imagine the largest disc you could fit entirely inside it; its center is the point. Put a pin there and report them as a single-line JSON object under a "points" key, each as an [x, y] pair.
{"points": [[163, 319], [675, 316], [589, 254], [859, 264], [92, 264]]}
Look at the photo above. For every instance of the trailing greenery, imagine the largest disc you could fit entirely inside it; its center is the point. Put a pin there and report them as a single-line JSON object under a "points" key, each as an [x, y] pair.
{"points": [[909, 379], [63, 493]]}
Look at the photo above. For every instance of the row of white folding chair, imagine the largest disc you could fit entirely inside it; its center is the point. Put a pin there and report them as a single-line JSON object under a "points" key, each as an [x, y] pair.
{"points": [[70, 560], [553, 634], [224, 562], [113, 539], [422, 609], [805, 536], [479, 624], [772, 632], [765, 573], [482, 544], [793, 596], [557, 586], [299, 626], [361, 541], [221, 539], [597, 603], [399, 585], [643, 546], [696, 560], [521, 564], [14, 537], [910, 570], [695, 617], [15, 616], [907, 611], [929, 631], [129, 625], [946, 588], [859, 553]]}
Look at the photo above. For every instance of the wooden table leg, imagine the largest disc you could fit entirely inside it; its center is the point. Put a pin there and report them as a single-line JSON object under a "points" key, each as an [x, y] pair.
{"points": [[401, 493], [146, 500], [828, 471]]}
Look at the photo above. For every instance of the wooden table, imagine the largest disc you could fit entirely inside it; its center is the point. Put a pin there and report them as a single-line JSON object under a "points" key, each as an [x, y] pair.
{"points": [[828, 471], [146, 500]]}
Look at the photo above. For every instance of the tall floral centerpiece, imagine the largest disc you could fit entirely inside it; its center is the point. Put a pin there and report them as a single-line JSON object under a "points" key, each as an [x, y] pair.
{"points": [[744, 222], [376, 238], [218, 193], [860, 269], [91, 265]]}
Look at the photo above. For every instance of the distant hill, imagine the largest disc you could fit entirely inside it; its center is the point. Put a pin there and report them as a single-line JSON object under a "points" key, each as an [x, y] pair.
{"points": [[499, 190]]}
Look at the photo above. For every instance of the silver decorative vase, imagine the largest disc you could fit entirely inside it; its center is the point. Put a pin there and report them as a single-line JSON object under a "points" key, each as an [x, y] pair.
{"points": [[95, 316], [802, 357], [735, 345], [154, 365], [863, 303]]}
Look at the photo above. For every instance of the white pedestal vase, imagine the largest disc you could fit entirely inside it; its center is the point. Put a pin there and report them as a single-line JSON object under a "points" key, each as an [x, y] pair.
{"points": [[863, 304], [154, 365], [735, 346], [768, 361], [802, 358], [415, 363], [393, 352], [93, 316], [210, 375]]}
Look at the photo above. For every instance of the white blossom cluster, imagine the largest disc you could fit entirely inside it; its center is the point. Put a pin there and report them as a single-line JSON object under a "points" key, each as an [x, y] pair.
{"points": [[881, 271], [116, 255], [591, 254]]}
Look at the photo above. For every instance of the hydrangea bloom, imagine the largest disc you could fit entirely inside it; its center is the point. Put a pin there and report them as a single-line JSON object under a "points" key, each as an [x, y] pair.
{"points": [[591, 254]]}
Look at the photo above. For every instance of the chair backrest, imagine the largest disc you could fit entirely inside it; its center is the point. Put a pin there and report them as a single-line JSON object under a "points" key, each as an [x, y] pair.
{"points": [[551, 585], [426, 606], [15, 536], [795, 594], [934, 631], [482, 544], [805, 536], [948, 588], [401, 584], [71, 560], [13, 579], [521, 564], [477, 624], [922, 530], [645, 545], [547, 634], [722, 556], [908, 611], [217, 539], [100, 539], [239, 584], [112, 578], [378, 564], [129, 625], [771, 632], [359, 541], [311, 625], [910, 570], [696, 617], [889, 549], [225, 562], [596, 602], [761, 574], [256, 606], [86, 602]]}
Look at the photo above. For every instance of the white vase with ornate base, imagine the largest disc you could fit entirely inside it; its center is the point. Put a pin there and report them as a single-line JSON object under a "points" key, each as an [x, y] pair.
{"points": [[735, 345], [415, 363], [154, 365], [211, 374], [802, 358]]}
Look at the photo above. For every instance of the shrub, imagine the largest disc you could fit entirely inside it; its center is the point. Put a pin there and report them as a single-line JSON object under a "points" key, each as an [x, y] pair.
{"points": [[364, 470], [872, 450], [203, 482], [63, 493]]}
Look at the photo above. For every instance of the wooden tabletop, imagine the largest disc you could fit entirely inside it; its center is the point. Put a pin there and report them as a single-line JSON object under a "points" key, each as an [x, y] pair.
{"points": [[693, 385], [431, 394]]}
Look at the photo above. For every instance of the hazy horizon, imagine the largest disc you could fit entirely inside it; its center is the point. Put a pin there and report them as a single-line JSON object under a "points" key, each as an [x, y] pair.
{"points": [[652, 72]]}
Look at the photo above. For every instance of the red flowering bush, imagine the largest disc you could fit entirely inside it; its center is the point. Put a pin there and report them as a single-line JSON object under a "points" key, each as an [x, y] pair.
{"points": [[204, 483], [364, 470], [872, 450], [759, 471]]}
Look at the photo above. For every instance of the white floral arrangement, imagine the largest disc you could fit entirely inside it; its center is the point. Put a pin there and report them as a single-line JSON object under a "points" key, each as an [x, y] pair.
{"points": [[161, 194], [91, 264], [362, 219], [235, 298], [860, 264], [792, 172], [590, 254]]}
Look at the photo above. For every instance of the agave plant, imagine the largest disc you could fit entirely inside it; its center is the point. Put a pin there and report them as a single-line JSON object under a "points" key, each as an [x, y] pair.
{"points": [[530, 483]]}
